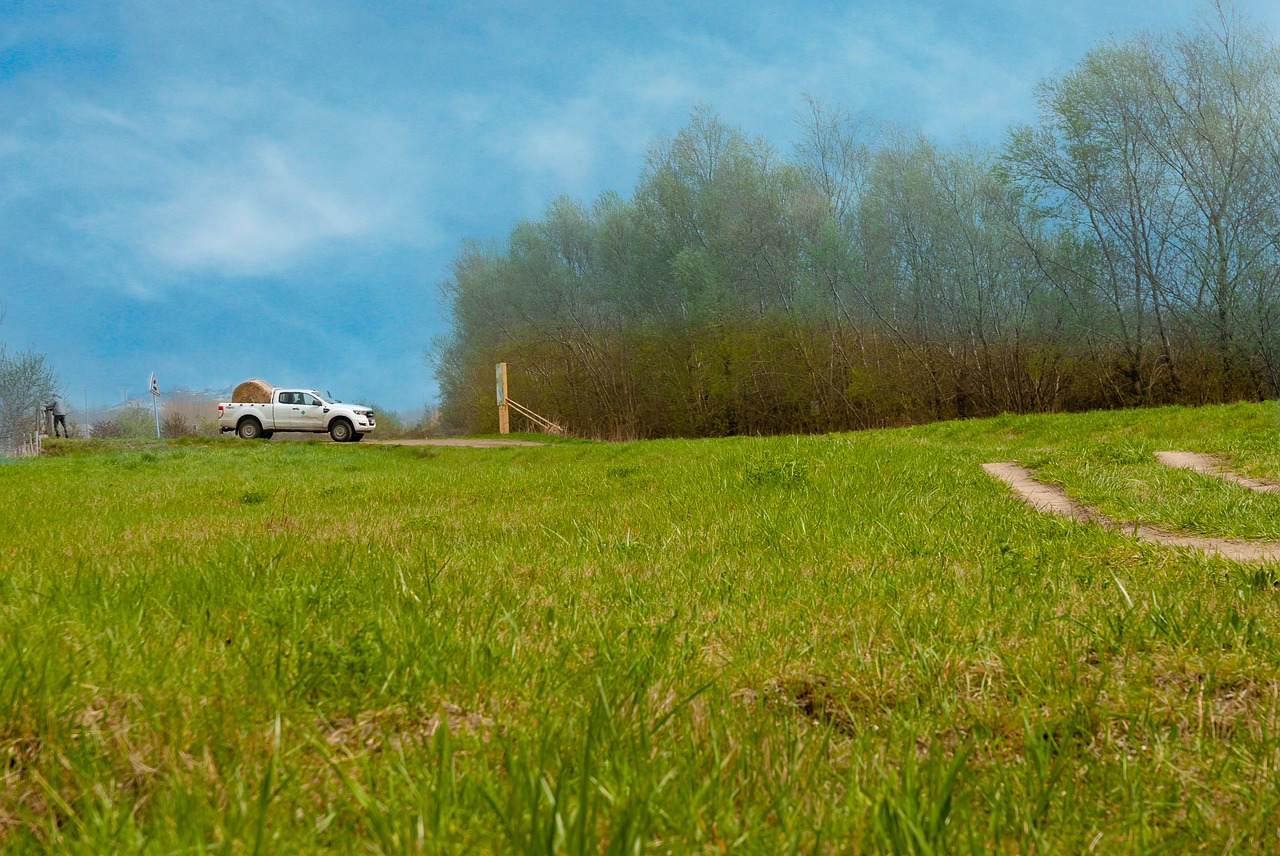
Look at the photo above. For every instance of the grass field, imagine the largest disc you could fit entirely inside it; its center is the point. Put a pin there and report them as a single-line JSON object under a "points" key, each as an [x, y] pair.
{"points": [[852, 643]]}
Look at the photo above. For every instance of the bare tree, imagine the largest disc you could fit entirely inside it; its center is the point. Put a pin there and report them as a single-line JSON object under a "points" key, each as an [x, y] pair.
{"points": [[27, 382], [1214, 124], [1161, 154], [1090, 162]]}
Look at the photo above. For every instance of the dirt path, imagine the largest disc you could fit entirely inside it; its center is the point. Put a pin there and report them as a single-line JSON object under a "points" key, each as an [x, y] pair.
{"points": [[1209, 466], [1046, 497], [479, 443]]}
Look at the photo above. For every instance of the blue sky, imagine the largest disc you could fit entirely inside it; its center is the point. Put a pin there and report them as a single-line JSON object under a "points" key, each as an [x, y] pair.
{"points": [[274, 188]]}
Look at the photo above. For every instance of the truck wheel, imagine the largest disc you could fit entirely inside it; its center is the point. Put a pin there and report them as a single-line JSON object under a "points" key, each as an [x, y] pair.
{"points": [[340, 430], [249, 429]]}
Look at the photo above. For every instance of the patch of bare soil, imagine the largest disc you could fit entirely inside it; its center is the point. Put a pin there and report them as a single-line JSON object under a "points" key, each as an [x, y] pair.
{"points": [[1209, 466], [1047, 497], [371, 730], [815, 700]]}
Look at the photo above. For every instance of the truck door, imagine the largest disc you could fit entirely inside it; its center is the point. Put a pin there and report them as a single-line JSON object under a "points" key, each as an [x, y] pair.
{"points": [[288, 411], [309, 412]]}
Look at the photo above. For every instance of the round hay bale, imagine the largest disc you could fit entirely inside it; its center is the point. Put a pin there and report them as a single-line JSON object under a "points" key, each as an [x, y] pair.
{"points": [[253, 391]]}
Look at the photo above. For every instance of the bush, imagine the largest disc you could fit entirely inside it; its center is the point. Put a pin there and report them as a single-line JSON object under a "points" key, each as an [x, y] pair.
{"points": [[175, 424], [395, 425], [133, 422], [189, 416]]}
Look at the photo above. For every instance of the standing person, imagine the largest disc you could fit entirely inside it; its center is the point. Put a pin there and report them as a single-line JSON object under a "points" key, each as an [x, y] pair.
{"points": [[59, 416]]}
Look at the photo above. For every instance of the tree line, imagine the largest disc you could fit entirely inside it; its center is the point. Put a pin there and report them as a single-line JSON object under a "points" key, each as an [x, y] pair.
{"points": [[1122, 250]]}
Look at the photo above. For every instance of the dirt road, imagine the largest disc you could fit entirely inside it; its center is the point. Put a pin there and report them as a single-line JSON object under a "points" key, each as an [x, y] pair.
{"points": [[1051, 498], [477, 443], [1207, 465]]}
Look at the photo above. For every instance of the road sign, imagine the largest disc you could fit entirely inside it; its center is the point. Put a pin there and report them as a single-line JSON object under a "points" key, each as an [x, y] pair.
{"points": [[155, 402]]}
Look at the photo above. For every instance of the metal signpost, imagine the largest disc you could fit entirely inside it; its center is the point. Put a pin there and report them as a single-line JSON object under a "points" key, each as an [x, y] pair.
{"points": [[155, 402]]}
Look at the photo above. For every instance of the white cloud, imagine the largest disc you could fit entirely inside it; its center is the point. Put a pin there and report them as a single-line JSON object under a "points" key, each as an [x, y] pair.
{"points": [[243, 174], [254, 216], [911, 72], [205, 179], [564, 152]]}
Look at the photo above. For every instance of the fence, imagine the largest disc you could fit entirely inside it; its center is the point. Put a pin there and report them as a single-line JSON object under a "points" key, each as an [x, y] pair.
{"points": [[25, 442], [24, 446]]}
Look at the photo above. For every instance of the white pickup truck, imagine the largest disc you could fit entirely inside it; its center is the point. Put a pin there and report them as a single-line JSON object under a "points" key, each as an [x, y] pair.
{"points": [[295, 410]]}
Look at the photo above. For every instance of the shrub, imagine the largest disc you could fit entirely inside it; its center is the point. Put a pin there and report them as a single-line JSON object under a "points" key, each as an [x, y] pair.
{"points": [[131, 422]]}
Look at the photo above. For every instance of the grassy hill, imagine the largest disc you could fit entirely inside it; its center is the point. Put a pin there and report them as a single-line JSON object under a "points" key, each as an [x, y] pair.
{"points": [[805, 644]]}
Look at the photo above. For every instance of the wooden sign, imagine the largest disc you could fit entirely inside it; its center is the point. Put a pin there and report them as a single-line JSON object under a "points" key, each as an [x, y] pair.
{"points": [[504, 412]]}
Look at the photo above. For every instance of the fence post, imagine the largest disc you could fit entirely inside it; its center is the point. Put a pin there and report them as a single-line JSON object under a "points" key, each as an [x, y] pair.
{"points": [[504, 412]]}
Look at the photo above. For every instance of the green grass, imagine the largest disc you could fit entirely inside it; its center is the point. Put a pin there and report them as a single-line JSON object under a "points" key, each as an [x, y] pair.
{"points": [[846, 643]]}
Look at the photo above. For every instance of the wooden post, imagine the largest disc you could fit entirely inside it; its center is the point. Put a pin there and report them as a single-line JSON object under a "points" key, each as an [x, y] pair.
{"points": [[504, 411]]}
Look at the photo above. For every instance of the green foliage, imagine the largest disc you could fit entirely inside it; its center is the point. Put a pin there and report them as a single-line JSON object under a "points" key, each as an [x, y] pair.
{"points": [[854, 642], [396, 425], [1124, 250], [175, 424], [781, 471], [27, 384], [131, 422]]}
